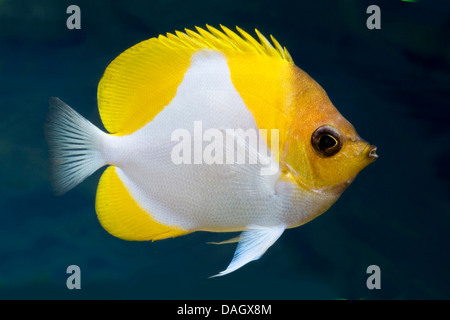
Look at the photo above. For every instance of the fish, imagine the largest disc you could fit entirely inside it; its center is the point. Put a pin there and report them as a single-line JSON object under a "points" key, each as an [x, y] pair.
{"points": [[207, 130]]}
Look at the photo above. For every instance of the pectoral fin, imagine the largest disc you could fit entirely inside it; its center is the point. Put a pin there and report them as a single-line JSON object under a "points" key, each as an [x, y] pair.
{"points": [[253, 243]]}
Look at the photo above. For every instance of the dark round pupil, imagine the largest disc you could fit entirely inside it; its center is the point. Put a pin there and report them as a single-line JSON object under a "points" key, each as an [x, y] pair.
{"points": [[327, 142]]}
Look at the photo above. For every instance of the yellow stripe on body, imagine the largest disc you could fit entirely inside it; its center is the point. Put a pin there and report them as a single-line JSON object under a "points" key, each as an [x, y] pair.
{"points": [[122, 217], [265, 84]]}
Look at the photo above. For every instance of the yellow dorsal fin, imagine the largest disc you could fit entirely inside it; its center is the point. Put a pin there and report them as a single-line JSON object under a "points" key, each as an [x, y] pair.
{"points": [[121, 216], [141, 81]]}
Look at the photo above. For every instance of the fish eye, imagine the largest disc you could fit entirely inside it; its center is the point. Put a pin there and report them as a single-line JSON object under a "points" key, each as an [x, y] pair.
{"points": [[326, 141]]}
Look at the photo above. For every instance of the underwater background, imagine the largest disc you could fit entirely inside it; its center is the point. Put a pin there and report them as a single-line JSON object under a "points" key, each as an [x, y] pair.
{"points": [[392, 84]]}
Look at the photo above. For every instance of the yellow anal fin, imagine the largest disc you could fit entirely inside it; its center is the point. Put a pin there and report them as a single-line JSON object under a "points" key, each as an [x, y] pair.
{"points": [[122, 217]]}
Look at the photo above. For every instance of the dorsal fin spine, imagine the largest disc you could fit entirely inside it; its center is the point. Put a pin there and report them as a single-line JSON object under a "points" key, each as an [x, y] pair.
{"points": [[225, 40], [243, 45], [266, 43], [251, 40]]}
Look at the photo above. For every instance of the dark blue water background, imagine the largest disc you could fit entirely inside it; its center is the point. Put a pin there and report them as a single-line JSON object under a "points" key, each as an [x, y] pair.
{"points": [[392, 84]]}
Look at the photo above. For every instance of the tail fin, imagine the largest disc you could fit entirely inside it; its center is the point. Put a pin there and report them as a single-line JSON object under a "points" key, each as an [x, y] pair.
{"points": [[75, 146]]}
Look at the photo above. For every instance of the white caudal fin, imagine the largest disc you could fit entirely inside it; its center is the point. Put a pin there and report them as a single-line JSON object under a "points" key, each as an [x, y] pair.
{"points": [[253, 243], [74, 146]]}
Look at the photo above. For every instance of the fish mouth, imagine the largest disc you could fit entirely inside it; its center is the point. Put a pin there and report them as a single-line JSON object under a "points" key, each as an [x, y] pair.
{"points": [[372, 152]]}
